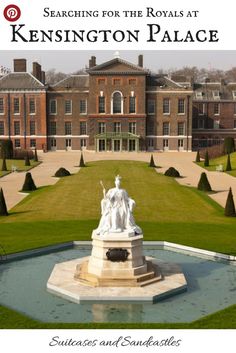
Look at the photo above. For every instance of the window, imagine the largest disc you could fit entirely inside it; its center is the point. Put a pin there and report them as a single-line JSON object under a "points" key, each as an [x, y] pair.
{"points": [[16, 106], [216, 108], [32, 128], [216, 124], [150, 127], [101, 105], [166, 106], [201, 124], [83, 127], [150, 143], [83, 106], [17, 143], [82, 143], [53, 143], [68, 106], [32, 106], [52, 128], [181, 106], [101, 81], [32, 143], [216, 94], [1, 106], [234, 123], [68, 128], [53, 106], [116, 81], [2, 128], [16, 128], [165, 144], [132, 104], [117, 127], [132, 128], [181, 143], [199, 95], [68, 143], [181, 129], [117, 103], [101, 128], [132, 82], [234, 94], [201, 108], [166, 129], [151, 106]]}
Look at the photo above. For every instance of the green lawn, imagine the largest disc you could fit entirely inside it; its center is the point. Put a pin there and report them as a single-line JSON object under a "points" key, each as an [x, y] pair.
{"points": [[221, 160], [70, 209], [20, 164]]}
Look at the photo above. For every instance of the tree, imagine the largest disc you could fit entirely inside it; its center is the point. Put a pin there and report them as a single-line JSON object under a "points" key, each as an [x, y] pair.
{"points": [[81, 163], [198, 159], [27, 160], [29, 184], [35, 155], [229, 206], [6, 149], [52, 76], [4, 165], [206, 160], [229, 145], [228, 165], [3, 206], [203, 183], [152, 163]]}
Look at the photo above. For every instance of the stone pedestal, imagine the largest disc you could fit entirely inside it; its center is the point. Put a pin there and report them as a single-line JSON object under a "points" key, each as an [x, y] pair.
{"points": [[117, 260]]}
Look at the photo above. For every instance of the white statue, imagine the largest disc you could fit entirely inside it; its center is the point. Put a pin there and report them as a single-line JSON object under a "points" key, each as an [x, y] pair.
{"points": [[117, 210]]}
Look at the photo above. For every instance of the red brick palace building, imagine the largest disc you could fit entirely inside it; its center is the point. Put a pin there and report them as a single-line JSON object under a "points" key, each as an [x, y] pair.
{"points": [[113, 106]]}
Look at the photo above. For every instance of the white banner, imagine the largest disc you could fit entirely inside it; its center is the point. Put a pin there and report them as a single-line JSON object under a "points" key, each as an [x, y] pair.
{"points": [[122, 25], [121, 341]]}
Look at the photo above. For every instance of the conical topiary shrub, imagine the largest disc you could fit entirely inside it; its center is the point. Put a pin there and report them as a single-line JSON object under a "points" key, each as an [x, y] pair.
{"points": [[203, 183], [172, 172], [206, 160], [29, 184], [229, 206], [198, 159], [62, 172], [228, 164], [27, 160], [35, 155], [81, 162], [152, 163], [3, 206], [4, 165]]}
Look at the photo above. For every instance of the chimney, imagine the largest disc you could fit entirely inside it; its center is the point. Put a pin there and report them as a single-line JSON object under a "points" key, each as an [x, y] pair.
{"points": [[140, 60], [92, 62], [43, 78], [37, 73], [19, 65]]}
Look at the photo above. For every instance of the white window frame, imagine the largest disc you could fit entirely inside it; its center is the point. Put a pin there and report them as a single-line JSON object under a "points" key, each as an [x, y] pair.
{"points": [[70, 105], [122, 102], [3, 105], [32, 99], [86, 107], [50, 106], [167, 113]]}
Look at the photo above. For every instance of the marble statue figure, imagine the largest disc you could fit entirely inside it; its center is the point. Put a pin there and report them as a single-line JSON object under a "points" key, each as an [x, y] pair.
{"points": [[117, 211]]}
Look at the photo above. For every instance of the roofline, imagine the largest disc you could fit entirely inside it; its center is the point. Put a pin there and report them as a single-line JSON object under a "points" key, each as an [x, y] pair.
{"points": [[115, 60]]}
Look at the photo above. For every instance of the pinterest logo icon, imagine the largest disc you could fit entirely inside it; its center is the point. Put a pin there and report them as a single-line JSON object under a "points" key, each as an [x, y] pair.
{"points": [[12, 13]]}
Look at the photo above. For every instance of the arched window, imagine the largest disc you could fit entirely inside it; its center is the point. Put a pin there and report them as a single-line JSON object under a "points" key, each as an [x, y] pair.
{"points": [[117, 103]]}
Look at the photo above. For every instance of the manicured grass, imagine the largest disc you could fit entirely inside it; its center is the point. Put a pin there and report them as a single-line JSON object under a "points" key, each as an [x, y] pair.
{"points": [[221, 160], [224, 319], [19, 164]]}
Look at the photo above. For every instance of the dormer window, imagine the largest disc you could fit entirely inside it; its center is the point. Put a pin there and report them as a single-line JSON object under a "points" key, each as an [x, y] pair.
{"points": [[199, 95], [216, 94]]}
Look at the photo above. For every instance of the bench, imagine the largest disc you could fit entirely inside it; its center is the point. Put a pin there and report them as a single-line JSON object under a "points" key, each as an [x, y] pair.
{"points": [[220, 168]]}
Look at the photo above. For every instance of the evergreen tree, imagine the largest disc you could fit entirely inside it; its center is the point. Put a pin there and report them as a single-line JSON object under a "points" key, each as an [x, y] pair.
{"points": [[206, 160], [3, 206], [4, 165], [152, 163], [198, 157], [172, 172], [29, 184], [228, 165], [81, 163], [27, 160], [203, 183], [229, 145], [35, 155], [229, 206]]}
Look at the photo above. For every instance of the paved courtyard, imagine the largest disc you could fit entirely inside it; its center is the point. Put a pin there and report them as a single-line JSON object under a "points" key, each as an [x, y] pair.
{"points": [[183, 162]]}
